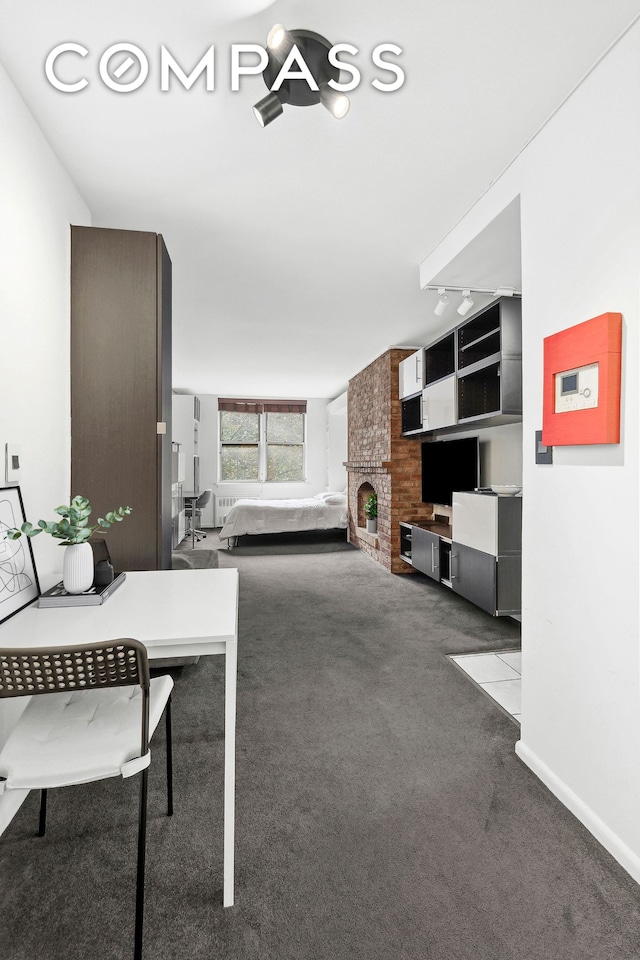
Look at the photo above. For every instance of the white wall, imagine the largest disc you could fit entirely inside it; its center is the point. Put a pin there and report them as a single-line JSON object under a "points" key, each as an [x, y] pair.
{"points": [[208, 449], [580, 222], [337, 447], [37, 203], [581, 257]]}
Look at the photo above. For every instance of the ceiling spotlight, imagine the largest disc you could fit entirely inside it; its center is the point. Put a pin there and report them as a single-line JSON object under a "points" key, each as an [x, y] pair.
{"points": [[336, 103], [505, 292], [466, 303], [442, 303], [268, 109], [314, 50], [279, 42]]}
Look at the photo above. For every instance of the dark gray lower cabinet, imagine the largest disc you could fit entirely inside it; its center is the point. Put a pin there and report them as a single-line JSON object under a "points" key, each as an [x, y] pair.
{"points": [[509, 585], [492, 583], [425, 552], [473, 576], [491, 580]]}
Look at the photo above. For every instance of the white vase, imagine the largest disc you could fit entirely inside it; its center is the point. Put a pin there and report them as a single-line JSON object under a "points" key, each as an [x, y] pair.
{"points": [[77, 567], [372, 524]]}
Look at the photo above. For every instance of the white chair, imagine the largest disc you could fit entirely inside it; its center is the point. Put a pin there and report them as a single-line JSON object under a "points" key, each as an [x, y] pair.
{"points": [[92, 713], [193, 512]]}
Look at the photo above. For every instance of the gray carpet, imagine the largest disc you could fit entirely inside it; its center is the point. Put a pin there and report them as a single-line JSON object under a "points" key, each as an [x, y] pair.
{"points": [[381, 811], [187, 558]]}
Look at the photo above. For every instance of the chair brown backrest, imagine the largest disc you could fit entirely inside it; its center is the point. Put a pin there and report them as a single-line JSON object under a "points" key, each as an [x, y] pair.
{"points": [[114, 663]]}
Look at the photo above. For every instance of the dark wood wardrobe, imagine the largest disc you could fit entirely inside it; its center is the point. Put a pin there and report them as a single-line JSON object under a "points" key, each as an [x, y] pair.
{"points": [[121, 388]]}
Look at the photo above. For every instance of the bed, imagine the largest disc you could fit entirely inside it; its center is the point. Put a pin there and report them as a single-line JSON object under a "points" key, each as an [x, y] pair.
{"points": [[325, 511]]}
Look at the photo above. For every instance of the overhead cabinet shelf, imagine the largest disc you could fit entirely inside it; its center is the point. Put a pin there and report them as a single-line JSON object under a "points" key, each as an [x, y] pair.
{"points": [[412, 414], [440, 359], [492, 391], [473, 374], [479, 326], [481, 349]]}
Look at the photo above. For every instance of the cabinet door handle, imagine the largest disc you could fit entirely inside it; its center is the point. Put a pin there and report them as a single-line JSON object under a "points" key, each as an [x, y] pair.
{"points": [[454, 576], [433, 559]]}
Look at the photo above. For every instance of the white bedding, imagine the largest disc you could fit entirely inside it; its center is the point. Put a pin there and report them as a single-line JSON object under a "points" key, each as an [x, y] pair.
{"points": [[283, 516]]}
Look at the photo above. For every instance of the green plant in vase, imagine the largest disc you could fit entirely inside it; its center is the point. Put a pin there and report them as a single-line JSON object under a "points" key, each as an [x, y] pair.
{"points": [[74, 526], [74, 532], [371, 512]]}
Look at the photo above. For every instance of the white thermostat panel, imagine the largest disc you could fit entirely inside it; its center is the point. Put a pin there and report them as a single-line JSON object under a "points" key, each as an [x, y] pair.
{"points": [[11, 462], [577, 389]]}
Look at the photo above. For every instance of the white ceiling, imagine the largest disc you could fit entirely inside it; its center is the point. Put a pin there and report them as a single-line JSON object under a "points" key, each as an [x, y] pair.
{"points": [[296, 247]]}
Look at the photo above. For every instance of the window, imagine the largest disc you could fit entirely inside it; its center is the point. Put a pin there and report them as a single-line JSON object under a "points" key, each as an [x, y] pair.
{"points": [[262, 441], [284, 434], [239, 445]]}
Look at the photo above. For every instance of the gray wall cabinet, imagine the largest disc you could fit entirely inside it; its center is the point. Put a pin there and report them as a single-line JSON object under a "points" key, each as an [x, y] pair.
{"points": [[473, 374]]}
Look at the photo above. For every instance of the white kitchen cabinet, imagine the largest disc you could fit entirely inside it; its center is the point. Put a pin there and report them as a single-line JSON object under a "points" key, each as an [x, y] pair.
{"points": [[439, 404], [488, 522], [411, 371]]}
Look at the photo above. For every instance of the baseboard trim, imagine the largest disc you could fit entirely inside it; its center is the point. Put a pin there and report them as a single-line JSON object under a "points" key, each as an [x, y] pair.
{"points": [[618, 849]]}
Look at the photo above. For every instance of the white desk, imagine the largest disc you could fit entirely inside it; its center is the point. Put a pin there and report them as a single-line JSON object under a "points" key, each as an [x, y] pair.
{"points": [[175, 613]]}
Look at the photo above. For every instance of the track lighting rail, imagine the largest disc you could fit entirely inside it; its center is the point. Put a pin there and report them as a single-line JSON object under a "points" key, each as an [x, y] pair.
{"points": [[466, 303]]}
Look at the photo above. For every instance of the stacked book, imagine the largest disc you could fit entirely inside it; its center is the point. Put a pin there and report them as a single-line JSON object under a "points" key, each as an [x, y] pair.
{"points": [[58, 597]]}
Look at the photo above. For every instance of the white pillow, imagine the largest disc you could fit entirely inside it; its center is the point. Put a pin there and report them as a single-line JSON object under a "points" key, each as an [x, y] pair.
{"points": [[330, 497]]}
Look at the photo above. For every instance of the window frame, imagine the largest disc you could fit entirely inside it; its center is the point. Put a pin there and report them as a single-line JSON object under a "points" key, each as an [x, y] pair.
{"points": [[263, 449]]}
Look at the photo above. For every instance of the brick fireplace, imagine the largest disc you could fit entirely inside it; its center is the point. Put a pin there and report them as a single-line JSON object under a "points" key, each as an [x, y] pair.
{"points": [[382, 460]]}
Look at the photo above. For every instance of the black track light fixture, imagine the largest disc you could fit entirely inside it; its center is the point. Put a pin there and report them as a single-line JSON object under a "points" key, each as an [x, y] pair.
{"points": [[304, 55]]}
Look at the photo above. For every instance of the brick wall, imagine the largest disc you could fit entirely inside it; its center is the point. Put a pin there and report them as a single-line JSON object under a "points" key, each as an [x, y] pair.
{"points": [[380, 456]]}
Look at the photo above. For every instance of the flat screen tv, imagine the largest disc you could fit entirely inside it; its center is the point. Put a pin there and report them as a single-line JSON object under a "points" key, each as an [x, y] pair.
{"points": [[449, 465]]}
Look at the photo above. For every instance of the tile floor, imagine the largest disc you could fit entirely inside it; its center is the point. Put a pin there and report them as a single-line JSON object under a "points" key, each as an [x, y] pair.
{"points": [[497, 674]]}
